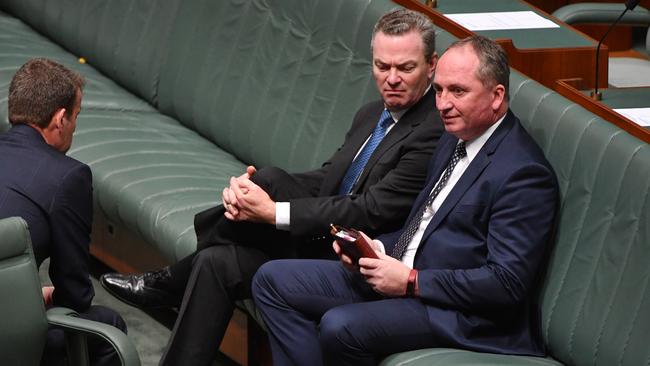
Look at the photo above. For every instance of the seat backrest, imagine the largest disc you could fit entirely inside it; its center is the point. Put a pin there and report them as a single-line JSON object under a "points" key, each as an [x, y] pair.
{"points": [[595, 300], [275, 82], [123, 39], [605, 13], [23, 326]]}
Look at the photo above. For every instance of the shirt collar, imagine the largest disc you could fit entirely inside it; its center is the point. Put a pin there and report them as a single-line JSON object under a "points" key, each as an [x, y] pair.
{"points": [[474, 146], [399, 114]]}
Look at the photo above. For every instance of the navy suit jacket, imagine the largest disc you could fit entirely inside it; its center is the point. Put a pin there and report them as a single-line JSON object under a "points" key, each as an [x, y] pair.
{"points": [[53, 193], [480, 255]]}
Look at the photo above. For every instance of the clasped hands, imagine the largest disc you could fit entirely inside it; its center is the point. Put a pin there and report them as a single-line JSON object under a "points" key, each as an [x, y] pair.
{"points": [[387, 275], [246, 201]]}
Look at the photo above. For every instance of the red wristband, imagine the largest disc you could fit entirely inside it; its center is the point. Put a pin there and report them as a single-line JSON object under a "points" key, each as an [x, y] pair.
{"points": [[411, 283]]}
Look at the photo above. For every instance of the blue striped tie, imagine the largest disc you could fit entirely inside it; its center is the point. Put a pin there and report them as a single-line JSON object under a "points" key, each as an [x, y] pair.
{"points": [[355, 169]]}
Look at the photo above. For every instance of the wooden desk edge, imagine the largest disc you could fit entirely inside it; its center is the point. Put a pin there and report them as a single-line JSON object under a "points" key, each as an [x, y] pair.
{"points": [[570, 88], [529, 61]]}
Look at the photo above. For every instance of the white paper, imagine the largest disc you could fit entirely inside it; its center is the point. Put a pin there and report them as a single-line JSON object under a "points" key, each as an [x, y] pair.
{"points": [[640, 116], [502, 20]]}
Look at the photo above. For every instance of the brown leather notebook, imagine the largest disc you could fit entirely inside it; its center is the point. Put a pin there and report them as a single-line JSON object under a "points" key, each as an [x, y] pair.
{"points": [[352, 243]]}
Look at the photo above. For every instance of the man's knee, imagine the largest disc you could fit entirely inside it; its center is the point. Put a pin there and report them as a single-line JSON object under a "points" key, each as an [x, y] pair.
{"points": [[340, 331], [263, 283], [214, 258], [105, 315]]}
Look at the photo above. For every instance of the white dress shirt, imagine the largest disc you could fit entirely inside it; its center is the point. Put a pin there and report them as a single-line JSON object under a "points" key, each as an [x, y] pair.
{"points": [[472, 148]]}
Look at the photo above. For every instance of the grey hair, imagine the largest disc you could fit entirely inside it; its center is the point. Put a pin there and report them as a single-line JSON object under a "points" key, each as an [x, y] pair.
{"points": [[401, 21]]}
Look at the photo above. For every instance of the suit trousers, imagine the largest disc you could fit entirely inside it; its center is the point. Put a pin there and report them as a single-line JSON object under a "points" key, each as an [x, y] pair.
{"points": [[220, 272], [220, 276], [212, 228], [318, 312]]}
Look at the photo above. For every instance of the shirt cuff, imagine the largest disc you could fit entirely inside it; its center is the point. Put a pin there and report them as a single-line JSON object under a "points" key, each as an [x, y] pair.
{"points": [[382, 248], [282, 216]]}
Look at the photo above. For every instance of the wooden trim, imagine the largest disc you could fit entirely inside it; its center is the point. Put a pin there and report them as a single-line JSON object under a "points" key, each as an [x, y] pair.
{"points": [[545, 65], [571, 89]]}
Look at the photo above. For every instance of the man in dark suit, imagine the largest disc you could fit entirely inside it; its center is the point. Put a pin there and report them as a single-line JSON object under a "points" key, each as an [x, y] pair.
{"points": [[53, 193], [369, 183], [461, 273]]}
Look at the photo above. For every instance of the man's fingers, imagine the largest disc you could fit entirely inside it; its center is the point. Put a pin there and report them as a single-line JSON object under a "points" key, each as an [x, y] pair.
{"points": [[227, 197], [336, 247], [369, 263], [236, 191]]}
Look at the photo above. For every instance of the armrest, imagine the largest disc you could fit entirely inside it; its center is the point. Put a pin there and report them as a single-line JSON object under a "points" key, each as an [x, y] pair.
{"points": [[67, 319], [601, 13]]}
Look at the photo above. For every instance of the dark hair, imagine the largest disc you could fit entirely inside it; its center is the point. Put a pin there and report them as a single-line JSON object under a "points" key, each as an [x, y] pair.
{"points": [[39, 88], [401, 21], [493, 61]]}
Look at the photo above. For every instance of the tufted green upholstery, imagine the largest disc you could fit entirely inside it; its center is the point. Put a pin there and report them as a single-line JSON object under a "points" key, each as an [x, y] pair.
{"points": [[18, 43], [24, 322], [264, 79], [593, 303], [110, 35]]}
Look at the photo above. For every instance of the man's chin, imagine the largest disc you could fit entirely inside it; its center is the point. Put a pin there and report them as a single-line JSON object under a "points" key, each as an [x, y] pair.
{"points": [[395, 104]]}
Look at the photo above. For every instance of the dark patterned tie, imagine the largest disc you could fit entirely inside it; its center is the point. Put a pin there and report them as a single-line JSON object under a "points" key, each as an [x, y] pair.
{"points": [[414, 224], [355, 169]]}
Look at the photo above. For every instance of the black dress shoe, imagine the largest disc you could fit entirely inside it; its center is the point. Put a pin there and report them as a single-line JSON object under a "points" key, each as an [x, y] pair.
{"points": [[147, 290]]}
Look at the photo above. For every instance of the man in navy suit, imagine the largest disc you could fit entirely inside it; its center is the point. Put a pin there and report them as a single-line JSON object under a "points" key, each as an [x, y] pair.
{"points": [[53, 193], [462, 271]]}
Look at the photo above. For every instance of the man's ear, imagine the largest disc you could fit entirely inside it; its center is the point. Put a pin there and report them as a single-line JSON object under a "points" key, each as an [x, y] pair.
{"points": [[499, 96], [56, 122], [432, 65]]}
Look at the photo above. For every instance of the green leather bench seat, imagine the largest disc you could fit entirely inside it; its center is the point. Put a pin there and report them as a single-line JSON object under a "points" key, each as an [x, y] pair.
{"points": [[181, 97], [594, 300], [19, 42], [450, 356], [152, 173]]}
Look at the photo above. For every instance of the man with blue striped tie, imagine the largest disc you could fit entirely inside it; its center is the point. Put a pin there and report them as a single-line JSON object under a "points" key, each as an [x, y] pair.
{"points": [[369, 183]]}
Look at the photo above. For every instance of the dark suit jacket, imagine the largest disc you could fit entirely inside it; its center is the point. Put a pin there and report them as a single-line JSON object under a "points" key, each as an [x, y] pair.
{"points": [[53, 193], [380, 199], [480, 255]]}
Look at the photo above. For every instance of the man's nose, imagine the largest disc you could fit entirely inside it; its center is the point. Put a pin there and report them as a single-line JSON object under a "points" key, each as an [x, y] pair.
{"points": [[393, 77], [442, 101]]}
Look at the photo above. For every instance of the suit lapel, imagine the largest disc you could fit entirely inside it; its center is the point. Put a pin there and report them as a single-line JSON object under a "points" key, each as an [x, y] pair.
{"points": [[480, 162], [404, 127], [339, 165], [442, 155]]}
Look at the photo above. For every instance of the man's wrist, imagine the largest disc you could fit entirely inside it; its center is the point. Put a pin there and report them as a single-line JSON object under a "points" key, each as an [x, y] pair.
{"points": [[412, 283]]}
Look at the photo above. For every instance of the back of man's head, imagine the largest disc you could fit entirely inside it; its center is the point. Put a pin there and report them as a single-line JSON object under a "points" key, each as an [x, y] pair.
{"points": [[39, 89], [401, 21]]}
